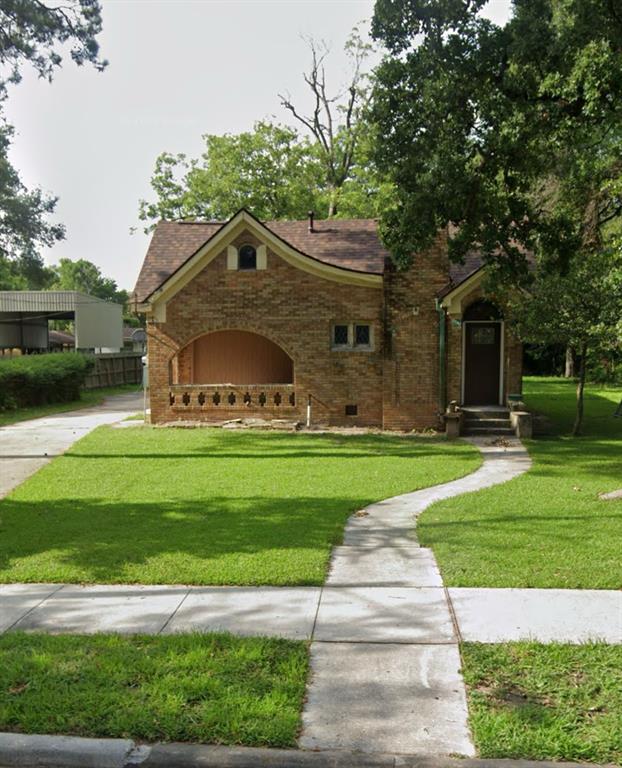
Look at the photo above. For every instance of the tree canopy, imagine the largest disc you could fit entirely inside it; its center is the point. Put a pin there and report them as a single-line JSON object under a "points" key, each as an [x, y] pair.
{"points": [[270, 170], [511, 134]]}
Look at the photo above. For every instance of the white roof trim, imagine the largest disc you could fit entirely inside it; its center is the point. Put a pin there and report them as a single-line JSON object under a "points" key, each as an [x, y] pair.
{"points": [[229, 231]]}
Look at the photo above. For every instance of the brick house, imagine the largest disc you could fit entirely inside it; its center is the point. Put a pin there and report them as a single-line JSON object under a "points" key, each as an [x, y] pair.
{"points": [[246, 318]]}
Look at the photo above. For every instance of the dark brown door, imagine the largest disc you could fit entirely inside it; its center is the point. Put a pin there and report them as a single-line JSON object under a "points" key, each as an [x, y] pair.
{"points": [[482, 362]]}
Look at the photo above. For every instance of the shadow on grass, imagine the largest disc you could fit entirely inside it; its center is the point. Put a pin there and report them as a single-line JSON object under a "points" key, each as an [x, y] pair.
{"points": [[246, 444], [217, 541]]}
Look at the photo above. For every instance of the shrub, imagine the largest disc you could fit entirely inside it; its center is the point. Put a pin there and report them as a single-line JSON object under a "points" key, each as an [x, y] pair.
{"points": [[41, 379]]}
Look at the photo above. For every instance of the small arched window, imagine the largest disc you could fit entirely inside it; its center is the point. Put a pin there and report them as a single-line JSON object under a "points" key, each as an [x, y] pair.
{"points": [[247, 257]]}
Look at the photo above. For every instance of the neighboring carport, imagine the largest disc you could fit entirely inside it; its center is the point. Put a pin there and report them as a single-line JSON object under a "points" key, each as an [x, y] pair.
{"points": [[25, 316]]}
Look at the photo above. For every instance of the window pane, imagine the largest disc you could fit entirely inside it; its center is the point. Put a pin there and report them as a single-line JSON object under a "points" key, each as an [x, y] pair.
{"points": [[247, 257], [340, 335], [483, 336], [362, 335]]}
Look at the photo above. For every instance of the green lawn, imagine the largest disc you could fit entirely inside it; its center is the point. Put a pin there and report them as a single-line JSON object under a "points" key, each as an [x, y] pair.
{"points": [[207, 506], [545, 702], [546, 528], [88, 398], [211, 688]]}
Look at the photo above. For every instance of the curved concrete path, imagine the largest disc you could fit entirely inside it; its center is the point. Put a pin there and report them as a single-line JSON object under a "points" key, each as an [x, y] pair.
{"points": [[385, 662]]}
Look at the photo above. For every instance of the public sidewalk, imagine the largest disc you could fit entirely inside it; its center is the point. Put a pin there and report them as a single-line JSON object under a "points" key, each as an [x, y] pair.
{"points": [[27, 446], [329, 614]]}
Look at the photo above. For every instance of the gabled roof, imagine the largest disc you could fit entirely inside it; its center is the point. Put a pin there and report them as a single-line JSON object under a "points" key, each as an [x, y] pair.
{"points": [[349, 244], [458, 273]]}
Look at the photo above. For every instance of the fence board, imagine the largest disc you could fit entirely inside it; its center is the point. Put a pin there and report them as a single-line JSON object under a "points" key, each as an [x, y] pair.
{"points": [[114, 369]]}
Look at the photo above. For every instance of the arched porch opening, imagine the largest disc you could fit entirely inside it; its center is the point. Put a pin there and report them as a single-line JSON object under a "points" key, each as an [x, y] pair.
{"points": [[233, 357]]}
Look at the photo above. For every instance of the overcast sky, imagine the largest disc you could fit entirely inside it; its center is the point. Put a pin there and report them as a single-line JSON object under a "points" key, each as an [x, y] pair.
{"points": [[178, 69]]}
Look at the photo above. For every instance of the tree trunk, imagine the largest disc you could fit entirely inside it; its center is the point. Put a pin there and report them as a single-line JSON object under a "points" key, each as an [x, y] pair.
{"points": [[332, 201], [569, 370], [578, 422]]}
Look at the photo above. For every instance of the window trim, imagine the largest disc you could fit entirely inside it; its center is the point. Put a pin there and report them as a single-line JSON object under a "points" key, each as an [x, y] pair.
{"points": [[351, 345]]}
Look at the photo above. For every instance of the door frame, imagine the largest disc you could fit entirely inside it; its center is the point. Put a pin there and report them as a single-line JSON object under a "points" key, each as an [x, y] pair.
{"points": [[501, 356]]}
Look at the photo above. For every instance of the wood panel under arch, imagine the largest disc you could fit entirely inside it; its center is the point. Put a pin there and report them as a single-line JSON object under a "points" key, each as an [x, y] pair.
{"points": [[239, 357]]}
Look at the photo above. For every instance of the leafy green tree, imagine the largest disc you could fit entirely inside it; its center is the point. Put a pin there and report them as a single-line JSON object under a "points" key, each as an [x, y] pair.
{"points": [[581, 308], [24, 226], [273, 170], [269, 170], [32, 32], [512, 134], [83, 276]]}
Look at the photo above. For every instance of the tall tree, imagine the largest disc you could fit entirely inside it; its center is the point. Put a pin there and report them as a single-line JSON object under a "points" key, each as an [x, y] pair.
{"points": [[86, 277], [83, 276], [336, 120], [512, 133], [33, 33]]}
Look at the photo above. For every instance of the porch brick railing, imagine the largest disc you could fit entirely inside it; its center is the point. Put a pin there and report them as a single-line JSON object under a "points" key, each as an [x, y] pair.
{"points": [[225, 397]]}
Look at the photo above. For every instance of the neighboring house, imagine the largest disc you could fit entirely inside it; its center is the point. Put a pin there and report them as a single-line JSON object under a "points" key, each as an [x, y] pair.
{"points": [[246, 318], [61, 341]]}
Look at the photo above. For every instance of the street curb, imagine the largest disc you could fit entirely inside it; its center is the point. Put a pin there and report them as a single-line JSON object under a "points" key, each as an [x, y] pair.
{"points": [[37, 751]]}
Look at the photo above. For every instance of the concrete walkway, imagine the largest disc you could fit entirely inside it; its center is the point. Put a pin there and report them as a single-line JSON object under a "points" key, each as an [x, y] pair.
{"points": [[27, 446], [390, 679]]}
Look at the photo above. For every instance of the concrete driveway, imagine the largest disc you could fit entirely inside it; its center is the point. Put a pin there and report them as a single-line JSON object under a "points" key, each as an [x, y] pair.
{"points": [[27, 446]]}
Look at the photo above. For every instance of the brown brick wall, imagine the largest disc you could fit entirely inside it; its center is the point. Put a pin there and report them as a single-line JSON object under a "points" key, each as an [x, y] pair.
{"points": [[411, 370], [396, 385], [295, 310]]}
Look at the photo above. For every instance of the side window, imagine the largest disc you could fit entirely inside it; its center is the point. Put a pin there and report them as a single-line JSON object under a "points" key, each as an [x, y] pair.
{"points": [[340, 335], [362, 336], [247, 257], [353, 336]]}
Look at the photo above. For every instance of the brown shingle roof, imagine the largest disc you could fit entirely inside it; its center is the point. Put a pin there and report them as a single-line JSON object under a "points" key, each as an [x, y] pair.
{"points": [[458, 273], [347, 243]]}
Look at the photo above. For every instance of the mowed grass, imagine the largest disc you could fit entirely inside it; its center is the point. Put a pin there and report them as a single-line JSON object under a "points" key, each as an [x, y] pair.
{"points": [[207, 506], [545, 702], [88, 398], [212, 688], [547, 528]]}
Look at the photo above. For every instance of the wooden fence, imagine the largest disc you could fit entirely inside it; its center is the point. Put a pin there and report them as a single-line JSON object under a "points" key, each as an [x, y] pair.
{"points": [[114, 369]]}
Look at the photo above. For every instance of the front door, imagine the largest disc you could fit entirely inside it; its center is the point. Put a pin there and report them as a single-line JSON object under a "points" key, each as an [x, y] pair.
{"points": [[482, 363]]}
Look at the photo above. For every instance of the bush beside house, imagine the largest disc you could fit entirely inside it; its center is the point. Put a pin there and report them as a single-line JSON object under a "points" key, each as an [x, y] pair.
{"points": [[41, 379]]}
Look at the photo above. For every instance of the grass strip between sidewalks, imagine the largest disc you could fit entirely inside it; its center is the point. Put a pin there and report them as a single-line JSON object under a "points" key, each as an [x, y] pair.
{"points": [[211, 688], [545, 702]]}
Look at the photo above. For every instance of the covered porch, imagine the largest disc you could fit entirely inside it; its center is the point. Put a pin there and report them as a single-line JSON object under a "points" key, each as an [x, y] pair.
{"points": [[233, 374]]}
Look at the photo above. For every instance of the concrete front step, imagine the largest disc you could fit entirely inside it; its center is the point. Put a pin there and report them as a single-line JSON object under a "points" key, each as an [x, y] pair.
{"points": [[486, 413], [489, 423], [484, 431]]}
